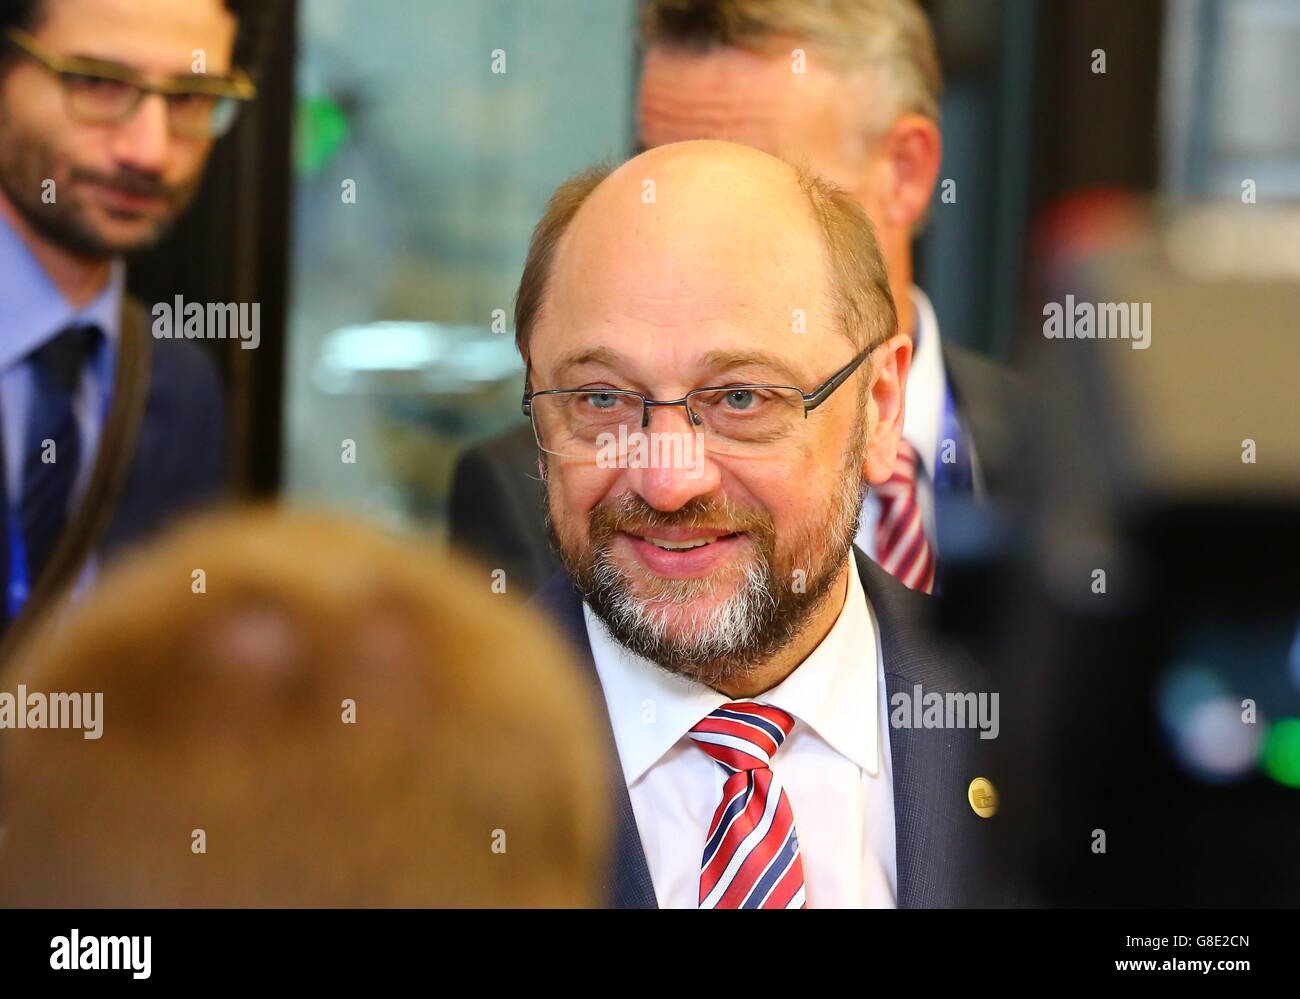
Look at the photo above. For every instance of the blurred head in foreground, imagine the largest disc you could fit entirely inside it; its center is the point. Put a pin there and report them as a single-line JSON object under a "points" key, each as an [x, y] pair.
{"points": [[334, 718]]}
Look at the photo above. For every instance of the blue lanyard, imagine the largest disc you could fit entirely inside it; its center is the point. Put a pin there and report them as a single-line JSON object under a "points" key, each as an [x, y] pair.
{"points": [[19, 584]]}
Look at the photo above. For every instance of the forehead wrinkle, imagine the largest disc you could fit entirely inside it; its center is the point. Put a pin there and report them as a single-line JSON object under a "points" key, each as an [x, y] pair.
{"points": [[686, 310], [712, 109], [740, 85]]}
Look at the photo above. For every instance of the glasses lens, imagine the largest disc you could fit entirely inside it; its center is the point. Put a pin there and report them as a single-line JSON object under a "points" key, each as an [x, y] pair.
{"points": [[193, 115], [740, 419], [579, 424], [224, 112], [99, 99]]}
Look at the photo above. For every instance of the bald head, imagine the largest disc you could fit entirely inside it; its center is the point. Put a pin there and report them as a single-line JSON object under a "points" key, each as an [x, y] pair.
{"points": [[701, 234], [694, 216]]}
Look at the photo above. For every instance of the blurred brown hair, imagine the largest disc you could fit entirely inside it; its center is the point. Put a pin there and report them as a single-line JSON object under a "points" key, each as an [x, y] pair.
{"points": [[474, 774]]}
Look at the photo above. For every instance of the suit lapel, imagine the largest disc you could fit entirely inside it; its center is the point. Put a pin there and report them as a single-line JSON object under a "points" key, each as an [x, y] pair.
{"points": [[628, 884], [939, 838], [927, 795]]}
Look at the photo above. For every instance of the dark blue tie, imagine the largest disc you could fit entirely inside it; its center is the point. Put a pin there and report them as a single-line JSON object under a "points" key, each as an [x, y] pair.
{"points": [[52, 449]]}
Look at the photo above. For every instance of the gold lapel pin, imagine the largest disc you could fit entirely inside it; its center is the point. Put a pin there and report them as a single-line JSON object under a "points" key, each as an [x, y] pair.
{"points": [[983, 797]]}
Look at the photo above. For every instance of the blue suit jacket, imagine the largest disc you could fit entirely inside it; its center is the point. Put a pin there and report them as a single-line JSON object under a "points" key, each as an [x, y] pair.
{"points": [[180, 456], [944, 850], [178, 460]]}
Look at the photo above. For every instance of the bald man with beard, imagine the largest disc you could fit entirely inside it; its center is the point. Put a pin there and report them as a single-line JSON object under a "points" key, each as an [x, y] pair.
{"points": [[715, 376], [851, 88]]}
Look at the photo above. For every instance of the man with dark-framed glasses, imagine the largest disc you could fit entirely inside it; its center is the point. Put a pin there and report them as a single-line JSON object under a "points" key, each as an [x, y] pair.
{"points": [[747, 653], [609, 426], [108, 113], [101, 92]]}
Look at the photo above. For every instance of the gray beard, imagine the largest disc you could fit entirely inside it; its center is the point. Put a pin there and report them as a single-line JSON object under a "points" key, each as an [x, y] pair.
{"points": [[732, 640]]}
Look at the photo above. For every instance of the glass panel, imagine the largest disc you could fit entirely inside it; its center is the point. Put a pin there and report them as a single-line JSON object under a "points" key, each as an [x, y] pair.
{"points": [[429, 138]]}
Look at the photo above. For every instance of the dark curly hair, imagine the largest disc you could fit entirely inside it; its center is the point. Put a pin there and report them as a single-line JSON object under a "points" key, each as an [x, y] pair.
{"points": [[256, 18]]}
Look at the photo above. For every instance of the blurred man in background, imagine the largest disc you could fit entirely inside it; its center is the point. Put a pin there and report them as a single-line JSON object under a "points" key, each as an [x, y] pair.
{"points": [[852, 88], [744, 650], [108, 112], [297, 711]]}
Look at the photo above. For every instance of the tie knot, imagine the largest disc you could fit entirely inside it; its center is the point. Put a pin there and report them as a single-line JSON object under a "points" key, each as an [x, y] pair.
{"points": [[62, 357], [742, 735]]}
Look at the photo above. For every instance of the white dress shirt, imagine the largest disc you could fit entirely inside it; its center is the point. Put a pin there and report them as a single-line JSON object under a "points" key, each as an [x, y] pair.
{"points": [[835, 764]]}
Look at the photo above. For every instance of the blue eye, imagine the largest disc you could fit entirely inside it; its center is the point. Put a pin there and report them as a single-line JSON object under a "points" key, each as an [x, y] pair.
{"points": [[603, 400], [738, 399]]}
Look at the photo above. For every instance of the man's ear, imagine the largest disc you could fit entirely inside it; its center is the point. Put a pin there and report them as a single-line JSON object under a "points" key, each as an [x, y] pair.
{"points": [[912, 151], [891, 362]]}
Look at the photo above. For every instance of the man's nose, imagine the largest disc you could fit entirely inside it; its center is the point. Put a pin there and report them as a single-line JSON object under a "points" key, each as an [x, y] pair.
{"points": [[678, 468], [143, 141]]}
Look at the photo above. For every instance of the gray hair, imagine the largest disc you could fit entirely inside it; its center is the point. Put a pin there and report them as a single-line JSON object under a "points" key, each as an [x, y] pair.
{"points": [[890, 40]]}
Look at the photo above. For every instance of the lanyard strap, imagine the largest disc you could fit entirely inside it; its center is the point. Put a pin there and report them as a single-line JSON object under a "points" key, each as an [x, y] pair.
{"points": [[19, 584]]}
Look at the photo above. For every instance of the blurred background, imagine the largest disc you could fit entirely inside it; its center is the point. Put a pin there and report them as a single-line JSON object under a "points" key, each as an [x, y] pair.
{"points": [[1173, 177], [453, 161]]}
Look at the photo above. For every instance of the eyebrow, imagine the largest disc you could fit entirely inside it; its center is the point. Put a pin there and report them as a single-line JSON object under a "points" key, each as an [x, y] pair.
{"points": [[602, 356], [125, 72], [727, 359], [716, 360]]}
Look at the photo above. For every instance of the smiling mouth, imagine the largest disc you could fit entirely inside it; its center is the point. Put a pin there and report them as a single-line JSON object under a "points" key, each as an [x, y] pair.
{"points": [[128, 199], [682, 544]]}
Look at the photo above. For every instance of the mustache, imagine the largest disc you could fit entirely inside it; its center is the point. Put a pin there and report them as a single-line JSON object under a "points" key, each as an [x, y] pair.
{"points": [[133, 182], [633, 515]]}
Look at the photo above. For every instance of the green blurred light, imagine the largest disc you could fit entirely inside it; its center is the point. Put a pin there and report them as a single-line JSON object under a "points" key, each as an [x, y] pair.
{"points": [[323, 128], [1282, 752]]}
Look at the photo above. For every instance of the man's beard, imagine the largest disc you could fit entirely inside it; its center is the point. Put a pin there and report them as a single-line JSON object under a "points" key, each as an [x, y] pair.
{"points": [[777, 588], [25, 166]]}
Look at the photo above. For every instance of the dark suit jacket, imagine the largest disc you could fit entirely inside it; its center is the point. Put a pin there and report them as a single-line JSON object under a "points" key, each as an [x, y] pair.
{"points": [[496, 498], [990, 402], [180, 454], [944, 853], [178, 458]]}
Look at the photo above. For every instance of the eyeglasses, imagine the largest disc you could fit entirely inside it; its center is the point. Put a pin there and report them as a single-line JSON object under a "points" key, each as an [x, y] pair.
{"points": [[738, 420], [105, 93]]}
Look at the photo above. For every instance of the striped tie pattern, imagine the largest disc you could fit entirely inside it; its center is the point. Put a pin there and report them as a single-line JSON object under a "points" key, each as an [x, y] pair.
{"points": [[751, 855], [902, 549]]}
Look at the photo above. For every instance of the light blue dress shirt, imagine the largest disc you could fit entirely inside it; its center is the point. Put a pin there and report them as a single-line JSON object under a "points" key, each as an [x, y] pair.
{"points": [[32, 312]]}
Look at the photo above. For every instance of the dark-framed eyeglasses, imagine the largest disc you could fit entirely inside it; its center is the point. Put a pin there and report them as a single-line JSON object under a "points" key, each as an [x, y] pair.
{"points": [[741, 420], [96, 92]]}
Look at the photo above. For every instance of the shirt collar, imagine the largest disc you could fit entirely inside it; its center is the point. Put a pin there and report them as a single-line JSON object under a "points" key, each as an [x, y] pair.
{"points": [[926, 385], [833, 691], [32, 310]]}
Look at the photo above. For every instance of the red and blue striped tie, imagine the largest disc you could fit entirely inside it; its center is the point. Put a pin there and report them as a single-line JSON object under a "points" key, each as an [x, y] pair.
{"points": [[751, 857], [902, 549]]}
